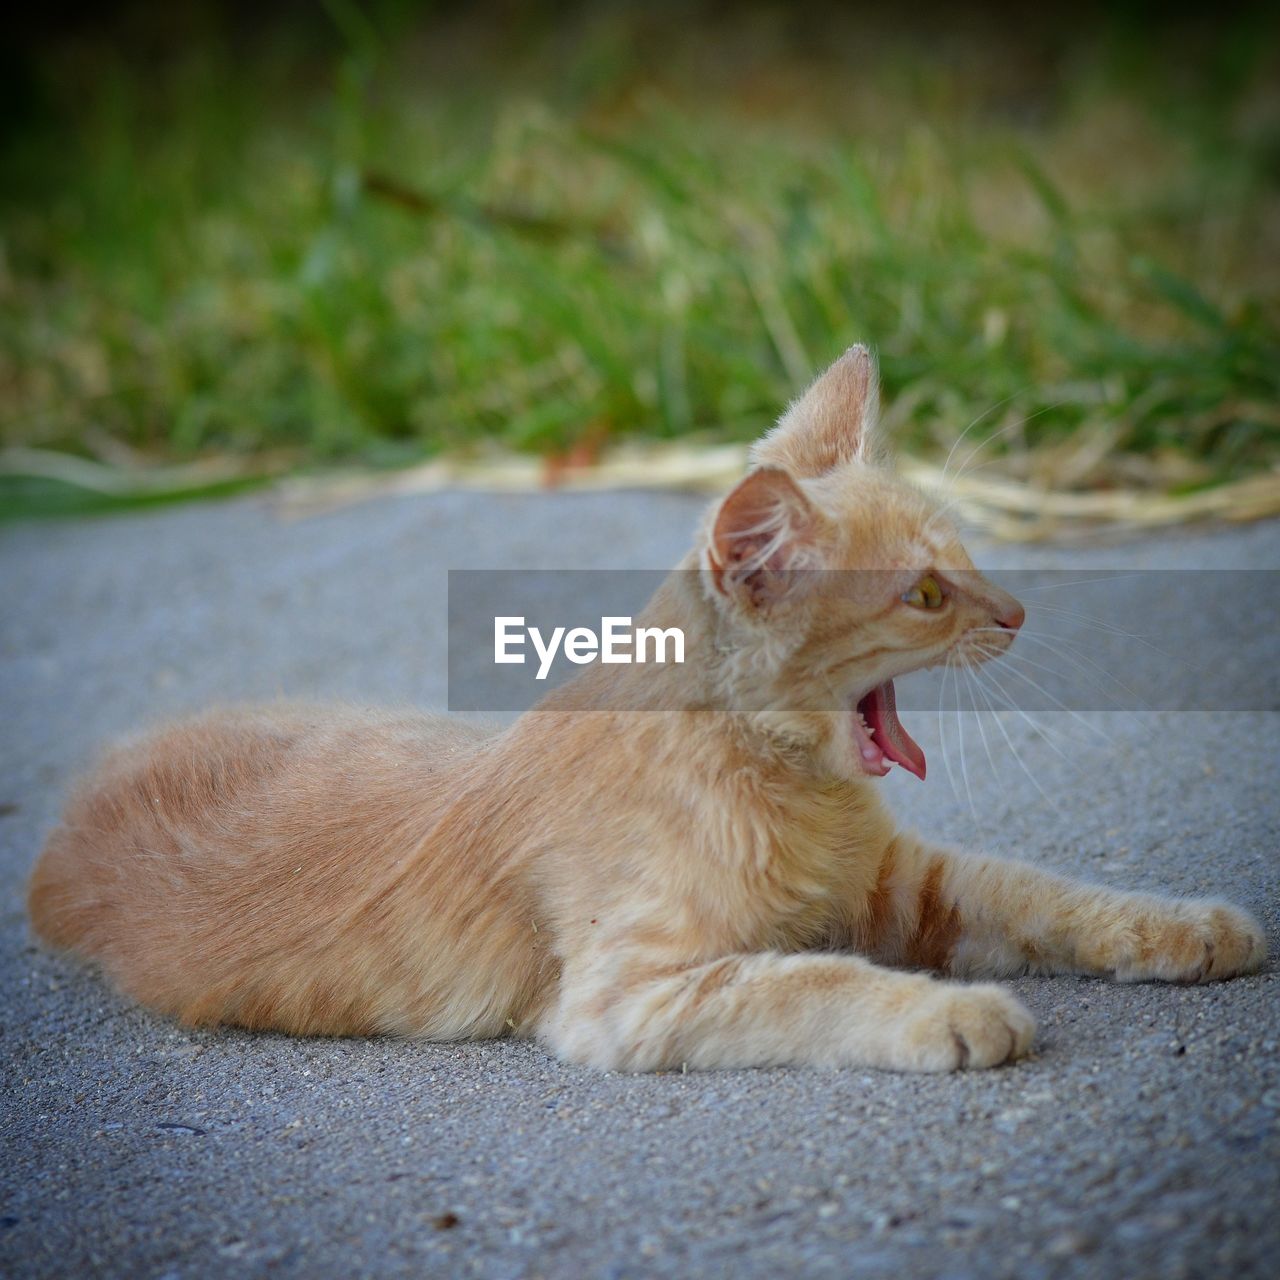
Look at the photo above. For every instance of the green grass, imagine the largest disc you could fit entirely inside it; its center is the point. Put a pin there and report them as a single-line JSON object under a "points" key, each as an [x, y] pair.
{"points": [[380, 239]]}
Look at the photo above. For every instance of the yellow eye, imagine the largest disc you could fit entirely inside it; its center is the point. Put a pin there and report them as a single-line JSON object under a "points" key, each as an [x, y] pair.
{"points": [[926, 594]]}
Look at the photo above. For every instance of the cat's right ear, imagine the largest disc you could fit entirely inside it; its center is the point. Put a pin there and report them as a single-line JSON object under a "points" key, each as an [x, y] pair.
{"points": [[830, 424], [765, 538]]}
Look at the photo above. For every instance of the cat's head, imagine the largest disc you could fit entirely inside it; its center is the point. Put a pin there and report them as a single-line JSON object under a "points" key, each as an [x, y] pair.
{"points": [[830, 576]]}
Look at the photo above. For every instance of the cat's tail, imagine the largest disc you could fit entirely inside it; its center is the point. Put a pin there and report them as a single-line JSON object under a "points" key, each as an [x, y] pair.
{"points": [[115, 882], [62, 915], [77, 895]]}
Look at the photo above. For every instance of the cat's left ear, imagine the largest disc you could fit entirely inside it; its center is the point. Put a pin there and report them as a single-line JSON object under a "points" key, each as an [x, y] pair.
{"points": [[764, 541], [830, 424]]}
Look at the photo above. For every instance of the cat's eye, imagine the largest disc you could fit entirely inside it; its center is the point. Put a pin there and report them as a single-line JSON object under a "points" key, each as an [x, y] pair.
{"points": [[926, 594]]}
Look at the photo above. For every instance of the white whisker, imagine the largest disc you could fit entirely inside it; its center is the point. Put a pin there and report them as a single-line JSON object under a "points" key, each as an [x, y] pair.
{"points": [[1063, 648], [971, 682], [964, 762], [966, 466], [942, 740], [1077, 582], [1041, 731], [1013, 426], [1012, 659], [1000, 404], [1017, 755], [1097, 624]]}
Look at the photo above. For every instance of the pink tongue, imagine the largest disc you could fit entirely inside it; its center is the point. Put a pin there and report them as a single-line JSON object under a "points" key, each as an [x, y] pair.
{"points": [[880, 711]]}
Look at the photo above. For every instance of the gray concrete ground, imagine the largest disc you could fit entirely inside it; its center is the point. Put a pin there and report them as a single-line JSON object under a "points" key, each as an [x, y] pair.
{"points": [[1142, 1138]]}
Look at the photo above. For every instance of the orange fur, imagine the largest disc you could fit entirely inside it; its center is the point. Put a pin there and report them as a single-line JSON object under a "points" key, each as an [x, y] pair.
{"points": [[687, 884]]}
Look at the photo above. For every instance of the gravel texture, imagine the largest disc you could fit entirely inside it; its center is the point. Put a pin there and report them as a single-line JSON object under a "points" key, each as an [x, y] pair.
{"points": [[1141, 1138]]}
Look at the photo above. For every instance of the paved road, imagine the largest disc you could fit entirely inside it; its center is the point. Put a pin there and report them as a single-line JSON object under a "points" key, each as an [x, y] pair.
{"points": [[1143, 1138]]}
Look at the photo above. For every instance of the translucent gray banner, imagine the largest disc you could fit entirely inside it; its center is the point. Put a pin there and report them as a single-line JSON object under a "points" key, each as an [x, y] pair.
{"points": [[1104, 640]]}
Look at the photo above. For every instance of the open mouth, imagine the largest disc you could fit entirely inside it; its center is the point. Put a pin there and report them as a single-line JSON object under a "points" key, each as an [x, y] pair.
{"points": [[880, 737]]}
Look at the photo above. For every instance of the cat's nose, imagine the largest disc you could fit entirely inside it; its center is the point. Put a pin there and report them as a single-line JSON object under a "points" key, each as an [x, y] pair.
{"points": [[1010, 614]]}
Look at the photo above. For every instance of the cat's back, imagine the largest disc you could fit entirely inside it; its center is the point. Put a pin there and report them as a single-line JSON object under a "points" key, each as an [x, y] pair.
{"points": [[221, 777], [240, 830]]}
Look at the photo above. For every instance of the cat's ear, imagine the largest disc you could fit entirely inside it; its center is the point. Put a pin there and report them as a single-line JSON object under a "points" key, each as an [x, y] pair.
{"points": [[766, 536], [830, 424]]}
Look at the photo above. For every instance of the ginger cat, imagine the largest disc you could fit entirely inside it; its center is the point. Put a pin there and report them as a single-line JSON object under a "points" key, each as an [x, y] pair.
{"points": [[716, 884]]}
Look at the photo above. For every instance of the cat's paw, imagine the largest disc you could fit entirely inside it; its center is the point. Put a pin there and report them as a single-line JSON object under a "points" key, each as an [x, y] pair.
{"points": [[1194, 941], [960, 1026]]}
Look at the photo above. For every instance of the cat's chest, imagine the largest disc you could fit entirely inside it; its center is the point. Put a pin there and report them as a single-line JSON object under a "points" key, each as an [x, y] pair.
{"points": [[818, 853]]}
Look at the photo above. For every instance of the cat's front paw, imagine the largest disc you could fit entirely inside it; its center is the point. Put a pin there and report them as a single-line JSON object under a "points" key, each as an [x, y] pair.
{"points": [[1195, 941], [960, 1026]]}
